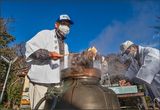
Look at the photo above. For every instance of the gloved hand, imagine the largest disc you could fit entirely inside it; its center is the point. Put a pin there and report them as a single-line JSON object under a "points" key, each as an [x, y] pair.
{"points": [[124, 83], [55, 55], [54, 91]]}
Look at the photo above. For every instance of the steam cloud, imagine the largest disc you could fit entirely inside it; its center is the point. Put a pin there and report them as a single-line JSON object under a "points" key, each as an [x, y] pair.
{"points": [[137, 28]]}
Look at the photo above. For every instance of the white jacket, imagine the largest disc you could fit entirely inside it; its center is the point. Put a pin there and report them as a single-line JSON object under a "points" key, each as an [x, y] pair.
{"points": [[48, 72]]}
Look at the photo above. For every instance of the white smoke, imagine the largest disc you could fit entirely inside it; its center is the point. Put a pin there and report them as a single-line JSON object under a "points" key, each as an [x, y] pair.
{"points": [[155, 42], [137, 28]]}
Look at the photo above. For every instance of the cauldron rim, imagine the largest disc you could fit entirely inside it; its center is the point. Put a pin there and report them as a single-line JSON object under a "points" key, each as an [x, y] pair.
{"points": [[82, 73]]}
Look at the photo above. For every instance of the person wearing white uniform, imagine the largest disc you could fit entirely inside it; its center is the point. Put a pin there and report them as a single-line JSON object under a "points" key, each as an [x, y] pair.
{"points": [[44, 52], [144, 67]]}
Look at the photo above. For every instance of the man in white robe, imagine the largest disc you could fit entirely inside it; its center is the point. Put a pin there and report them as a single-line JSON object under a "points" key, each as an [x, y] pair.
{"points": [[46, 53], [144, 67]]}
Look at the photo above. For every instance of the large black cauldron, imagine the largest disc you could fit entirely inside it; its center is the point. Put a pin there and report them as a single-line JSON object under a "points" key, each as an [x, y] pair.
{"points": [[83, 91]]}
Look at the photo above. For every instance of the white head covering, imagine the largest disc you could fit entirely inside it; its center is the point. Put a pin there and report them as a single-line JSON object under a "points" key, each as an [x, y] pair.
{"points": [[64, 17], [125, 45]]}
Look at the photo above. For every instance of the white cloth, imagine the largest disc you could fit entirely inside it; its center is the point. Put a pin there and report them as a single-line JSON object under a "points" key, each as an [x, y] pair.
{"points": [[48, 72], [150, 60], [37, 92], [149, 70]]}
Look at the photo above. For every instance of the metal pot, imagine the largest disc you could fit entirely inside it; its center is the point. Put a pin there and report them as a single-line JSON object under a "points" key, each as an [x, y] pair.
{"points": [[83, 91]]}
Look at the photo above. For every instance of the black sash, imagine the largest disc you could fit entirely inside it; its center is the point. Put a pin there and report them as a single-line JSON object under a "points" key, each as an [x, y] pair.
{"points": [[62, 52]]}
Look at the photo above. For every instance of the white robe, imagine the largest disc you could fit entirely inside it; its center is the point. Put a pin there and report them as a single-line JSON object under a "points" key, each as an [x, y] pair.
{"points": [[48, 72], [149, 71]]}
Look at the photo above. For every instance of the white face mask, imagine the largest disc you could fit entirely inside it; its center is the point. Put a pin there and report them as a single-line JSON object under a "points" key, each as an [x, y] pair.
{"points": [[64, 29], [124, 58], [133, 55]]}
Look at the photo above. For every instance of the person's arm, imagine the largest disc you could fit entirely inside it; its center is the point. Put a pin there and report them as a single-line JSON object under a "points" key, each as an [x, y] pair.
{"points": [[132, 70], [41, 54]]}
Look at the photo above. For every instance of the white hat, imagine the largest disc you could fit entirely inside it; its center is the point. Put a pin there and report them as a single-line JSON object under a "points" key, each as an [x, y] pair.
{"points": [[125, 45], [65, 17]]}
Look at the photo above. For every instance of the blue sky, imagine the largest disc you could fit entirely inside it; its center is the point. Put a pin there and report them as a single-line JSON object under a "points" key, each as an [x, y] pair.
{"points": [[104, 24]]}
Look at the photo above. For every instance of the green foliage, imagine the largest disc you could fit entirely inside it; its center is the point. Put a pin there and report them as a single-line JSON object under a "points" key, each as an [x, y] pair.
{"points": [[3, 69], [9, 54], [5, 37], [14, 89], [14, 83]]}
